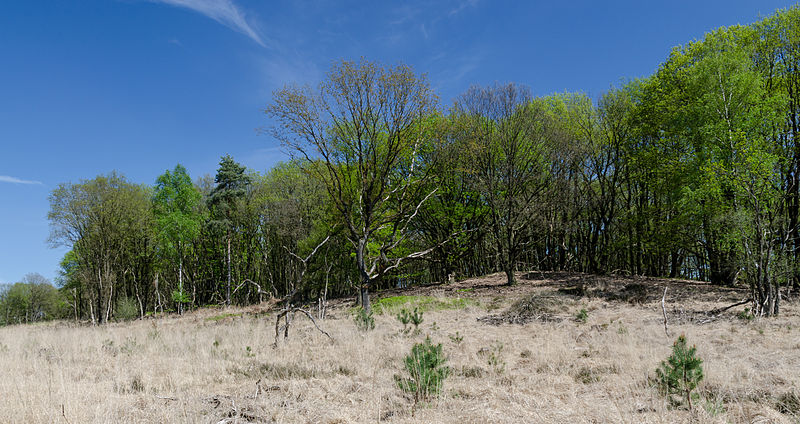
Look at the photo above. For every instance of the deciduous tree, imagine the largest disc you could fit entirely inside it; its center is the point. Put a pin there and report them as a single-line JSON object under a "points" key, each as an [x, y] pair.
{"points": [[359, 133]]}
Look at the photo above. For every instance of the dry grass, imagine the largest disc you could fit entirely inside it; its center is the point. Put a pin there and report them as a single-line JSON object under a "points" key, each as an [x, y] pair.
{"points": [[198, 368]]}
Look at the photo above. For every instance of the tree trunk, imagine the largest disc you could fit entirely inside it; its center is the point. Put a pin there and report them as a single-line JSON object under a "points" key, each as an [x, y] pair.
{"points": [[110, 298], [228, 296], [180, 285], [99, 300], [91, 313], [75, 294], [511, 279], [365, 299], [508, 268], [363, 275], [794, 198]]}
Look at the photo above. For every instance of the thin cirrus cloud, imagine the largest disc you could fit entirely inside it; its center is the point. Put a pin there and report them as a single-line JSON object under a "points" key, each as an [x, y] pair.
{"points": [[15, 180], [222, 11]]}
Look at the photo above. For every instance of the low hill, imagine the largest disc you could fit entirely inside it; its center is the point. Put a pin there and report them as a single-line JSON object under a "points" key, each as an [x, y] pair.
{"points": [[557, 347]]}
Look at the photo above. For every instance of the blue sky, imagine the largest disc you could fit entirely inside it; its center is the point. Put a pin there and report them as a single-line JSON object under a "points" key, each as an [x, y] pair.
{"points": [[91, 86]]}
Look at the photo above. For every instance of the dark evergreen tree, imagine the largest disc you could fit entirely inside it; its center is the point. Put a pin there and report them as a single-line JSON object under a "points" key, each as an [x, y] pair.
{"points": [[231, 183]]}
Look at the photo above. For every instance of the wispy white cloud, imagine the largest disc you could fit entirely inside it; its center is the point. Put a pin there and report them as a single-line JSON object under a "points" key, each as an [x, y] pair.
{"points": [[405, 13], [223, 11], [462, 66], [289, 68], [463, 5], [15, 180]]}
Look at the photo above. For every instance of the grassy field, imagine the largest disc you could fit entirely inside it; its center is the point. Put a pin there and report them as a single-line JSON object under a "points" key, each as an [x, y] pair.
{"points": [[517, 354]]}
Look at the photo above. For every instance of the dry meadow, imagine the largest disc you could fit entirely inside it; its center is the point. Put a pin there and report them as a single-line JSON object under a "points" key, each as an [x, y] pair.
{"points": [[518, 355]]}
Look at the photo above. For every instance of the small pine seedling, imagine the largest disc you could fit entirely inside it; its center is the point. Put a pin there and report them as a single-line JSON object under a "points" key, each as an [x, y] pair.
{"points": [[364, 320], [582, 316], [427, 371], [414, 318], [681, 372], [495, 360]]}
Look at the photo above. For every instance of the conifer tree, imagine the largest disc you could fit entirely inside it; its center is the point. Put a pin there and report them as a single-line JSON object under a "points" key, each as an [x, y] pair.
{"points": [[231, 183], [681, 372]]}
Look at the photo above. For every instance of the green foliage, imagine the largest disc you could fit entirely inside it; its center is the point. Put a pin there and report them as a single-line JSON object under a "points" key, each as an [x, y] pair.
{"points": [[126, 309], [582, 316], [34, 299], [223, 317], [364, 320], [395, 304], [176, 207], [231, 182], [426, 371], [414, 318], [687, 173], [107, 223], [176, 203], [681, 372], [494, 358], [363, 127], [181, 297], [745, 315]]}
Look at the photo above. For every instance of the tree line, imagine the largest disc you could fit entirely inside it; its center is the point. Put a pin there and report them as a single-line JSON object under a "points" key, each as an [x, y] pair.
{"points": [[692, 172]]}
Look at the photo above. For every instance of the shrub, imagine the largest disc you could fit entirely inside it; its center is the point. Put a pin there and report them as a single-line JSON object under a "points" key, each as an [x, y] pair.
{"points": [[681, 372], [126, 309], [364, 320], [582, 316], [181, 297], [745, 315], [495, 359], [414, 318], [427, 371]]}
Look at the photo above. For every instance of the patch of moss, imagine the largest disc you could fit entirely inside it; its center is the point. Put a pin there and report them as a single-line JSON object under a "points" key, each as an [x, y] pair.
{"points": [[395, 304]]}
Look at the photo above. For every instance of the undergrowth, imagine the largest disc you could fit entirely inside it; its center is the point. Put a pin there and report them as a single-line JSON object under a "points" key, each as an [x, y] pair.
{"points": [[394, 304]]}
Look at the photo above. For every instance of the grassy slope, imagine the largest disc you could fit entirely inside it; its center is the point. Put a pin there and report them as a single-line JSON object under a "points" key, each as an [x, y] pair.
{"points": [[210, 367]]}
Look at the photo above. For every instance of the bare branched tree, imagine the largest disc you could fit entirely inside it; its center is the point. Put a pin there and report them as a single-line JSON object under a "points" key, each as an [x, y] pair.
{"points": [[359, 133]]}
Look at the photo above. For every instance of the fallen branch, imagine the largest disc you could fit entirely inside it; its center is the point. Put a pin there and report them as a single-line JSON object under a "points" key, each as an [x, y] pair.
{"points": [[292, 310], [258, 287], [64, 414], [721, 310], [314, 321]]}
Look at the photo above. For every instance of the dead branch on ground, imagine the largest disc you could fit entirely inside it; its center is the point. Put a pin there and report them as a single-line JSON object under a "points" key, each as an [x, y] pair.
{"points": [[721, 310]]}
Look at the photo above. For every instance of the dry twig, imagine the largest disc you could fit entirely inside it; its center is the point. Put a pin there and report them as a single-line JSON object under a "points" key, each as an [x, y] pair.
{"points": [[664, 310]]}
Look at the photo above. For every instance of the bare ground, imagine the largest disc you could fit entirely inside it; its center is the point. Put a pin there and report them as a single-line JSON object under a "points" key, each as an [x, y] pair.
{"points": [[518, 354]]}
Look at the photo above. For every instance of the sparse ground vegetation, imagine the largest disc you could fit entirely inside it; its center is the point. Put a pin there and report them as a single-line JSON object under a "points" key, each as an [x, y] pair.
{"points": [[198, 368]]}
